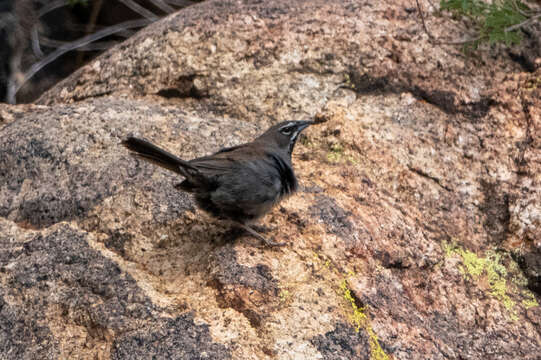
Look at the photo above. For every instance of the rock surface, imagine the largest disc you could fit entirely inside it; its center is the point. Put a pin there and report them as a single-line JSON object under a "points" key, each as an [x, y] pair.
{"points": [[416, 232]]}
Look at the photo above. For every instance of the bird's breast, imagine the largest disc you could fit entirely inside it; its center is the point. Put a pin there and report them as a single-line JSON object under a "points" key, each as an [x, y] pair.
{"points": [[285, 172]]}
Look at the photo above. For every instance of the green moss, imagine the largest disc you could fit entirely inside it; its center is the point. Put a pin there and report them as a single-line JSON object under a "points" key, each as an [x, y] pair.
{"points": [[360, 320]]}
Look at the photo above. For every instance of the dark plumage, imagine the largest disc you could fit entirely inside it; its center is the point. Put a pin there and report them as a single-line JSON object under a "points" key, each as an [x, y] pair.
{"points": [[240, 183]]}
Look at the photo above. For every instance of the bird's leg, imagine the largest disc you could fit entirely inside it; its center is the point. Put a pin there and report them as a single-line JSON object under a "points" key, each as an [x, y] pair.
{"points": [[262, 228], [259, 236]]}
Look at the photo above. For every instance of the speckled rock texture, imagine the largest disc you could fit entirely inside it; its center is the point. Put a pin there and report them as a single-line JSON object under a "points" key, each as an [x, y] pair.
{"points": [[416, 232]]}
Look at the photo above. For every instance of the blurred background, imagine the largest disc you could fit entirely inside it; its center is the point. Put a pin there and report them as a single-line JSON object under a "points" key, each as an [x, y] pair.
{"points": [[43, 41]]}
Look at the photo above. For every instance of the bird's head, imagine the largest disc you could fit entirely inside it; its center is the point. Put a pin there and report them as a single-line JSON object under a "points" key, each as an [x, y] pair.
{"points": [[284, 135]]}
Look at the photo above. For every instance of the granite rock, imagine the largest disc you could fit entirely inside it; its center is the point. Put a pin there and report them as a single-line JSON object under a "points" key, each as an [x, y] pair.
{"points": [[415, 232]]}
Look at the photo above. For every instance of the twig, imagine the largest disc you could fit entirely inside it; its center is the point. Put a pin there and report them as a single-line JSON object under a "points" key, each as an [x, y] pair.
{"points": [[34, 38], [519, 10], [93, 16], [52, 43], [140, 10], [77, 44], [125, 33], [181, 3], [51, 6], [82, 28], [521, 24], [423, 20], [459, 42], [439, 42], [162, 6], [96, 7]]}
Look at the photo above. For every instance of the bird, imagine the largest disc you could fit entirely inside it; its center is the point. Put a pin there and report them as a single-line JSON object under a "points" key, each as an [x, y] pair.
{"points": [[239, 184]]}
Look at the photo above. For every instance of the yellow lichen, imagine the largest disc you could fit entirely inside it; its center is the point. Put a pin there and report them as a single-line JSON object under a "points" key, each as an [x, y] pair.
{"points": [[306, 141], [347, 82], [473, 265], [337, 154], [532, 84], [518, 277], [448, 248], [521, 281], [360, 320], [284, 295], [359, 317], [530, 300], [490, 267]]}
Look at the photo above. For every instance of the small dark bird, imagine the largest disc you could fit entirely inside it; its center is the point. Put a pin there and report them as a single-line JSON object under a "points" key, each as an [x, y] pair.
{"points": [[240, 183]]}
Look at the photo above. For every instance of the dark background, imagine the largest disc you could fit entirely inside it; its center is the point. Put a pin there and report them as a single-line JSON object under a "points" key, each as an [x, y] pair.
{"points": [[33, 31]]}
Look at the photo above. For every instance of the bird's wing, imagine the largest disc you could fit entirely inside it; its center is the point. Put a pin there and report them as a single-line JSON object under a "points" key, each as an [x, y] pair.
{"points": [[229, 149], [213, 166], [211, 169], [226, 160]]}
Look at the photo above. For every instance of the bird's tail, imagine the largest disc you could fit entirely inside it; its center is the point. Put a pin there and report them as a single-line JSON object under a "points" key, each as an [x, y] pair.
{"points": [[160, 157]]}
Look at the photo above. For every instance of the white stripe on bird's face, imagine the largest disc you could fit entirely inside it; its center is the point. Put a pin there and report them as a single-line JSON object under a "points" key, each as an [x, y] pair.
{"points": [[295, 134], [292, 130], [289, 126], [293, 139]]}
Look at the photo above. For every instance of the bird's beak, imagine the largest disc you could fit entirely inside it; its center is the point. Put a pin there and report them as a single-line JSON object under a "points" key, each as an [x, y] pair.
{"points": [[304, 124]]}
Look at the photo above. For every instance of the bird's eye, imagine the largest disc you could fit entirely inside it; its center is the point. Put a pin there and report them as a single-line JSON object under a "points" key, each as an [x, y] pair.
{"points": [[287, 131]]}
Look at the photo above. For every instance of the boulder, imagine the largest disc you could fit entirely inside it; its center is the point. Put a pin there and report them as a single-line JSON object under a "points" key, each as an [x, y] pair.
{"points": [[415, 233]]}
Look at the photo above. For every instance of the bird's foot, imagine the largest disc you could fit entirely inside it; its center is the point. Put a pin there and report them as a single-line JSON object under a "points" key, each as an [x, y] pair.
{"points": [[260, 237]]}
